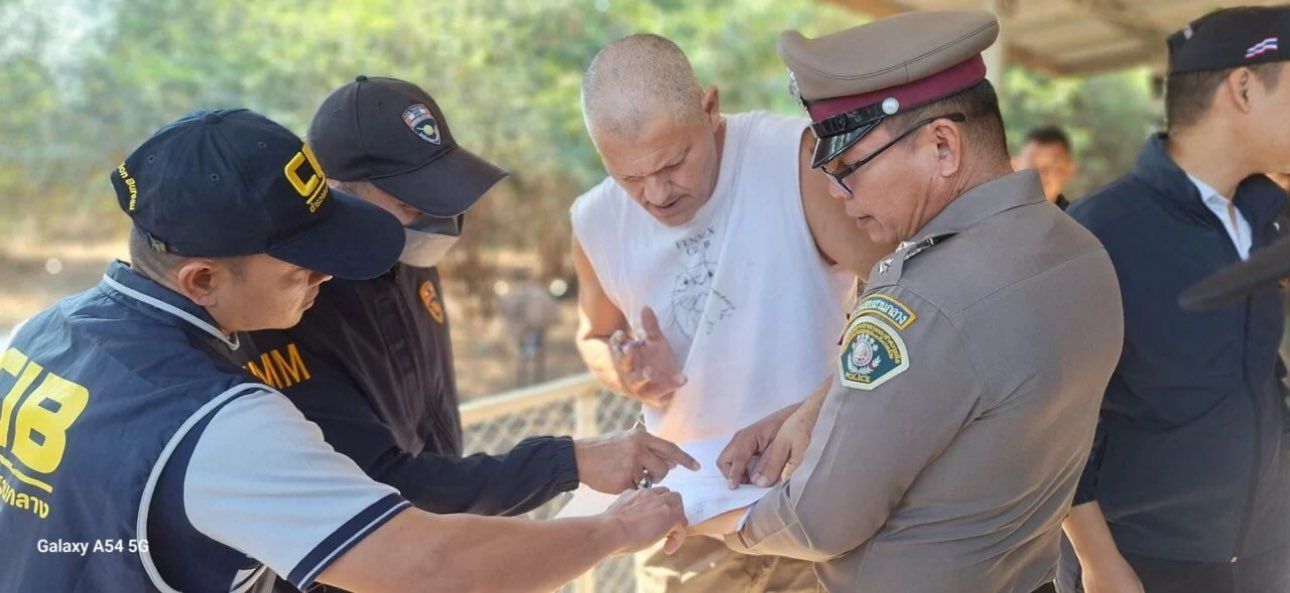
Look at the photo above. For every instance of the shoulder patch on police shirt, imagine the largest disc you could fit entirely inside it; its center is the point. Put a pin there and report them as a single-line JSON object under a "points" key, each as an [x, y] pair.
{"points": [[889, 308], [872, 353]]}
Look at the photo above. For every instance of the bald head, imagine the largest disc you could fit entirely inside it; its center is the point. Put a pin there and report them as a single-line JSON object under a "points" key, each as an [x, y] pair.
{"points": [[636, 79]]}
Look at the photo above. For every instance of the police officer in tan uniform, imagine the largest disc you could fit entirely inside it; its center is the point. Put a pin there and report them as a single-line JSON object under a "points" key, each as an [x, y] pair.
{"points": [[947, 451]]}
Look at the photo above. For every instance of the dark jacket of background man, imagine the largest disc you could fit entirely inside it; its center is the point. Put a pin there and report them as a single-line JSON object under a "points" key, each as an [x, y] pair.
{"points": [[1188, 460]]}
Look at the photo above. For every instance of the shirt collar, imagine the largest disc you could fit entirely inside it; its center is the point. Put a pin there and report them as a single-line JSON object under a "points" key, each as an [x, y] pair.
{"points": [[1256, 197], [983, 201], [1208, 194], [123, 281]]}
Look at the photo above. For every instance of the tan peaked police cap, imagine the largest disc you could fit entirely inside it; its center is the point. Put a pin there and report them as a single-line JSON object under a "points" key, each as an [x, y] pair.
{"points": [[850, 80]]}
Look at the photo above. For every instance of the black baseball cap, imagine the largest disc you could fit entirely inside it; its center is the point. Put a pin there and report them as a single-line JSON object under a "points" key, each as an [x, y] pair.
{"points": [[1264, 268], [1229, 38], [228, 183], [392, 133]]}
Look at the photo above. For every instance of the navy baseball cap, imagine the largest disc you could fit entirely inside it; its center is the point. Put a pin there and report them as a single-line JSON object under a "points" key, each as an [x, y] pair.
{"points": [[229, 183], [392, 133], [1229, 38]]}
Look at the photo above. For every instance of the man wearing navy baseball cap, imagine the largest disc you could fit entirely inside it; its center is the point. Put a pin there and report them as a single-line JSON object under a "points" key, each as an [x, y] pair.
{"points": [[1186, 485], [135, 455], [372, 364]]}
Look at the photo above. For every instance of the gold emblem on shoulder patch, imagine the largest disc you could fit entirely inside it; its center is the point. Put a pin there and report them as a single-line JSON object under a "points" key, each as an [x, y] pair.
{"points": [[872, 354]]}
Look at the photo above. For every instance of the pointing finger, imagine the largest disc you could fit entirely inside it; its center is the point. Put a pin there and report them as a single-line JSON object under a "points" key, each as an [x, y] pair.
{"points": [[649, 322], [672, 453]]}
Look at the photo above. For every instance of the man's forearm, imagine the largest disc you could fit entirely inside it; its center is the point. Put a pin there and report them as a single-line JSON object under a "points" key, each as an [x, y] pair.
{"points": [[815, 401], [500, 556], [1086, 528], [600, 361], [773, 528], [515, 482], [466, 554]]}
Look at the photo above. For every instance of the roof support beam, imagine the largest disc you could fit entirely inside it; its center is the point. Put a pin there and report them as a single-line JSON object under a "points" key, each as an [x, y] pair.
{"points": [[884, 8], [1122, 16]]}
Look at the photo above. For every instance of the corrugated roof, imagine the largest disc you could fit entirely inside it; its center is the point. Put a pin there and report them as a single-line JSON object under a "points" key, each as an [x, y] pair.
{"points": [[1074, 36]]}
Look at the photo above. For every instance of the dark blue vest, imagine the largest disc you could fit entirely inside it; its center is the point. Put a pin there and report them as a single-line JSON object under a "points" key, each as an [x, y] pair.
{"points": [[98, 392]]}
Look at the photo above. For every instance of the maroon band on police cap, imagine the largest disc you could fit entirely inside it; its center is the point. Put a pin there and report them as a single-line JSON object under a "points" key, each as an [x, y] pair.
{"points": [[919, 92]]}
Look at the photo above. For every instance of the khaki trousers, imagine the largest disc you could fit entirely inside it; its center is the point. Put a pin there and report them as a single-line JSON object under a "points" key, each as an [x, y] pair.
{"points": [[706, 565]]}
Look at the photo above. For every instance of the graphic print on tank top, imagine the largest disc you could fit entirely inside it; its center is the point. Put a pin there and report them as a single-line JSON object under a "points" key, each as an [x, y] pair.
{"points": [[692, 288]]}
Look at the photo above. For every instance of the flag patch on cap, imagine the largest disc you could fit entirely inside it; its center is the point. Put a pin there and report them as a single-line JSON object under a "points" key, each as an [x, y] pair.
{"points": [[422, 123], [1262, 47]]}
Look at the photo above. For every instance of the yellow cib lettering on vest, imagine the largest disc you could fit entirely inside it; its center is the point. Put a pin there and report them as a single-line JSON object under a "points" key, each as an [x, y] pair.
{"points": [[30, 503], [313, 188], [279, 370], [131, 185], [36, 410]]}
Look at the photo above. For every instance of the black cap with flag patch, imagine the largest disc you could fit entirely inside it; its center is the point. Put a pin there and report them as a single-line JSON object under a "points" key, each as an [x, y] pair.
{"points": [[392, 133], [229, 183], [1230, 38]]}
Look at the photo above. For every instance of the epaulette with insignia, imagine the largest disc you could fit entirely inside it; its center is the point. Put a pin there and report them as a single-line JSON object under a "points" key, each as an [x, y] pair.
{"points": [[904, 252], [914, 249]]}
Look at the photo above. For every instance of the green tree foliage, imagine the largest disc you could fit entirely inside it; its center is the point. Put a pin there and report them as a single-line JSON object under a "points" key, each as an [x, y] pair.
{"points": [[84, 81], [1108, 117]]}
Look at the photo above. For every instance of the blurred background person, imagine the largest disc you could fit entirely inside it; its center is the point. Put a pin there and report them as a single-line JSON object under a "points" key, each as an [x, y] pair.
{"points": [[1047, 150], [529, 311]]}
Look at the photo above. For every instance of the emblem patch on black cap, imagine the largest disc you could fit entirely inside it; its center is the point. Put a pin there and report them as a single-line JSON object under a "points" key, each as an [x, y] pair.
{"points": [[422, 123]]}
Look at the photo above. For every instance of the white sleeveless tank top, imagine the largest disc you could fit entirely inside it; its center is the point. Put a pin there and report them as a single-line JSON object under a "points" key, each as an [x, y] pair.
{"points": [[750, 307]]}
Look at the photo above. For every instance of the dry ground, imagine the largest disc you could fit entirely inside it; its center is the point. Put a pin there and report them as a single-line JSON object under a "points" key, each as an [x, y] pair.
{"points": [[36, 274]]}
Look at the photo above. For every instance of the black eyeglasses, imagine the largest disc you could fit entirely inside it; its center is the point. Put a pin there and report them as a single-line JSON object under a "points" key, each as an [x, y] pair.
{"points": [[838, 177]]}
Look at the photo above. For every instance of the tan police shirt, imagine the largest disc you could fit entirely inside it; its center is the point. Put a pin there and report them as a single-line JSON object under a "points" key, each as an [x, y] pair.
{"points": [[966, 394]]}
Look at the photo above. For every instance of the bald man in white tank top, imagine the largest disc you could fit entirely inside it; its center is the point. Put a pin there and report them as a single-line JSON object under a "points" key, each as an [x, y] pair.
{"points": [[714, 274]]}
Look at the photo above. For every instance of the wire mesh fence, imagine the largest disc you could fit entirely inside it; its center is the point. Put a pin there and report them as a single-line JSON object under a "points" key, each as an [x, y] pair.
{"points": [[573, 406]]}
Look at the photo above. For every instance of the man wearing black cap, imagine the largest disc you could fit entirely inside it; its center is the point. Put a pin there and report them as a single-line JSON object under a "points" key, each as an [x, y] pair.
{"points": [[135, 455], [1185, 489], [371, 362]]}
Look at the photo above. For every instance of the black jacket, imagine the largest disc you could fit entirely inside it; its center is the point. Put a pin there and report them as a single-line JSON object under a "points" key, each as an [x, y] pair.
{"points": [[1189, 458], [371, 364]]}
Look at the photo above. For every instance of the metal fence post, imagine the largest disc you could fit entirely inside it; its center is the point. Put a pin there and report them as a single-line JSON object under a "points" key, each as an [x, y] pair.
{"points": [[497, 422], [584, 411], [585, 425]]}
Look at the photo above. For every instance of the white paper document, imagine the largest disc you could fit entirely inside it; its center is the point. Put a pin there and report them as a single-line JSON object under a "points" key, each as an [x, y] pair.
{"points": [[705, 493]]}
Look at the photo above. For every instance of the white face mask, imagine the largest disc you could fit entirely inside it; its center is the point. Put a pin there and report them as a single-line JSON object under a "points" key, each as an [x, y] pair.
{"points": [[424, 250]]}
